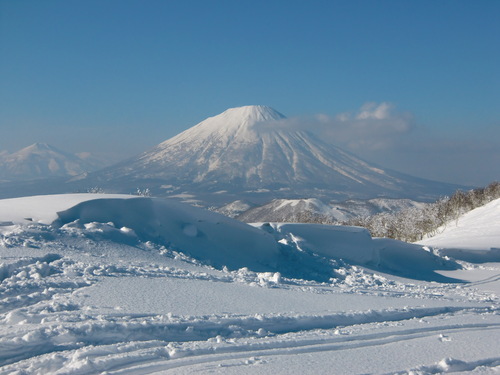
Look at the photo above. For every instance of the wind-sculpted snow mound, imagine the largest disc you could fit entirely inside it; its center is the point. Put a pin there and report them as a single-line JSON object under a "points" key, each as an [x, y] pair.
{"points": [[43, 208], [204, 235], [355, 245], [338, 242], [411, 261], [301, 251]]}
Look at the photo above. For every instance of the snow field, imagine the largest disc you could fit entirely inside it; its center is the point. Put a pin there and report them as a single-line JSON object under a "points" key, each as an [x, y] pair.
{"points": [[473, 237], [108, 287]]}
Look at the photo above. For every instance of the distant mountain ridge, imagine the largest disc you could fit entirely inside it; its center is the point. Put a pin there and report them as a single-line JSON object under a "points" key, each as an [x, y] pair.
{"points": [[314, 210], [251, 153], [40, 161], [241, 159]]}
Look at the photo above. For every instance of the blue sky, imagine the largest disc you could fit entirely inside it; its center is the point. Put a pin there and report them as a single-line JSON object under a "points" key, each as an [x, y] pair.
{"points": [[119, 76]]}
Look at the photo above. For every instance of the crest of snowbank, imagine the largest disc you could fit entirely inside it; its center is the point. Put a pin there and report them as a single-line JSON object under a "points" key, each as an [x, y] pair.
{"points": [[356, 246], [296, 250], [43, 209], [202, 234]]}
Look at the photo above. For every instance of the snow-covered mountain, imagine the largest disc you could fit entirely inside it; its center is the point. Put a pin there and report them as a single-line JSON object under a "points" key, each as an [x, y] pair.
{"points": [[314, 210], [251, 152], [41, 160]]}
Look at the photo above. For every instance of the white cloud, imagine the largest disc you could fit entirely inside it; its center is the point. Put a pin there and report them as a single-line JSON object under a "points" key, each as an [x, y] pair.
{"points": [[374, 126], [380, 133], [376, 111]]}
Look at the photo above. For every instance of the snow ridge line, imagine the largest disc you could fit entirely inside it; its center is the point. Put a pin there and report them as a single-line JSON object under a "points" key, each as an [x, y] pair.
{"points": [[147, 357], [179, 356], [113, 329]]}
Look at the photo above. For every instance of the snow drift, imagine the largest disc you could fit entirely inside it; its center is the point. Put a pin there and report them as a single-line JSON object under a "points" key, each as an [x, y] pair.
{"points": [[89, 284], [354, 245], [295, 250], [204, 235]]}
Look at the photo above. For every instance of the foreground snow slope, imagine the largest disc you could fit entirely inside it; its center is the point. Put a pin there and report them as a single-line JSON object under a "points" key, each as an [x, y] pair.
{"points": [[473, 237], [93, 284]]}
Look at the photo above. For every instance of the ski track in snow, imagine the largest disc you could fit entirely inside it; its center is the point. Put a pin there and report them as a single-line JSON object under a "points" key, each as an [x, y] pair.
{"points": [[53, 333], [52, 323]]}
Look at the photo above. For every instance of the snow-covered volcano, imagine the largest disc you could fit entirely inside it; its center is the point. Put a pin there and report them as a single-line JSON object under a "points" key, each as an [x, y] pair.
{"points": [[253, 150]]}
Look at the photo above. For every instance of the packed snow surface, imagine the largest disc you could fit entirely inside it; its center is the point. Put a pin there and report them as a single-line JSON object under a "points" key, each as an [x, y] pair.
{"points": [[130, 285]]}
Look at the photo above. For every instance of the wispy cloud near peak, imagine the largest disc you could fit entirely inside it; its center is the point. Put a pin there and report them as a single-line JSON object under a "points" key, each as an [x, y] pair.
{"points": [[374, 126], [376, 111]]}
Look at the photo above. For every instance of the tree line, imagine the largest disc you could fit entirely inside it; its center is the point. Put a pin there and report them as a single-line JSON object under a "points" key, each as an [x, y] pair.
{"points": [[413, 223]]}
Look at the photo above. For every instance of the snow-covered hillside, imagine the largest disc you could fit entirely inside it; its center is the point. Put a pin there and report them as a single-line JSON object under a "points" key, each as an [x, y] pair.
{"points": [[252, 153], [291, 210], [297, 210], [472, 237], [41, 160], [130, 285]]}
